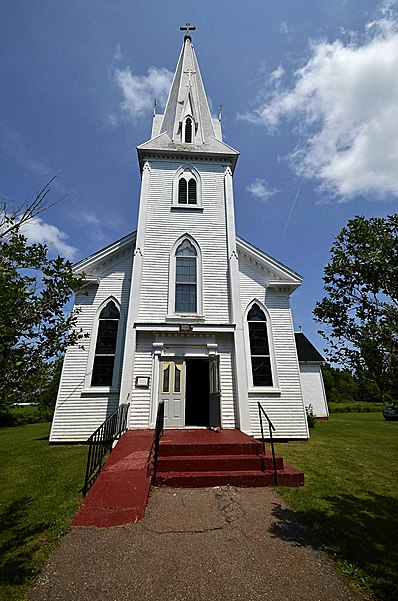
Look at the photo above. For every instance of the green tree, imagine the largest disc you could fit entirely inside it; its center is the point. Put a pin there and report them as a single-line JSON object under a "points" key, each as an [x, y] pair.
{"points": [[360, 308], [34, 289]]}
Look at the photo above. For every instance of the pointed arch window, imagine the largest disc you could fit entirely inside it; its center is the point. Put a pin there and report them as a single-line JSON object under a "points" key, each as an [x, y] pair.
{"points": [[259, 347], [186, 271], [187, 188], [105, 348], [188, 130]]}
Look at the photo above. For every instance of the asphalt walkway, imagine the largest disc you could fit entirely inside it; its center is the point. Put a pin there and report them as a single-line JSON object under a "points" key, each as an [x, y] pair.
{"points": [[211, 544]]}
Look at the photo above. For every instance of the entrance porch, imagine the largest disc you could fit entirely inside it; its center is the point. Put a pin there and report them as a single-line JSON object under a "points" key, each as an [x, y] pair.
{"points": [[187, 458]]}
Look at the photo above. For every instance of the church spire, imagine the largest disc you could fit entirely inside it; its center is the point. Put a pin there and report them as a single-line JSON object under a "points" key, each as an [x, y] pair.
{"points": [[187, 98], [187, 125]]}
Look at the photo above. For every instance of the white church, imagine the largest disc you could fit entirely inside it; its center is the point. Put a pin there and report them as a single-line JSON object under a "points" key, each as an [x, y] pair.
{"points": [[183, 310]]}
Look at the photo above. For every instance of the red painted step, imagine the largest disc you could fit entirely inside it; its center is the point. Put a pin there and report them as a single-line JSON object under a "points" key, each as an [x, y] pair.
{"points": [[198, 458], [206, 442], [287, 477], [205, 463]]}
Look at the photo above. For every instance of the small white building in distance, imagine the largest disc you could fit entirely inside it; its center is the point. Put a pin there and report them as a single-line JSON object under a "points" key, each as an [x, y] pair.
{"points": [[310, 361], [183, 310]]}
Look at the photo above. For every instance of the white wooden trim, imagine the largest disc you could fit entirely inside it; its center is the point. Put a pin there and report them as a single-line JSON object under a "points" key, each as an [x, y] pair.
{"points": [[134, 300], [91, 353], [274, 371], [236, 314], [176, 179], [172, 281]]}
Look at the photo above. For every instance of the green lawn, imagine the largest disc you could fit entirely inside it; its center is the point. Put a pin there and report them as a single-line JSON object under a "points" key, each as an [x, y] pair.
{"points": [[350, 497], [39, 494]]}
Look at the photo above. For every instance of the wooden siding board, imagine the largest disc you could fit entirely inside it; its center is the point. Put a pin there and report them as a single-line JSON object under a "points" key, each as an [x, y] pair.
{"points": [[166, 224], [78, 414], [285, 409]]}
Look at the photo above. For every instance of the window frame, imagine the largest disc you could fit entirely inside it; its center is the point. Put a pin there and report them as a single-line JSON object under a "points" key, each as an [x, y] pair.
{"points": [[252, 387], [184, 129], [177, 177], [114, 387], [172, 279]]}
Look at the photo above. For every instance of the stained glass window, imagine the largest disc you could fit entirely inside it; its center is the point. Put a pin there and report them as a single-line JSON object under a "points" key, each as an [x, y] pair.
{"points": [[259, 347], [105, 349]]}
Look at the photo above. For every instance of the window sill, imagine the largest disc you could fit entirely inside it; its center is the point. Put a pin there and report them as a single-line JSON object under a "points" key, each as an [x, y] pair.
{"points": [[185, 318], [184, 207], [264, 390], [97, 389]]}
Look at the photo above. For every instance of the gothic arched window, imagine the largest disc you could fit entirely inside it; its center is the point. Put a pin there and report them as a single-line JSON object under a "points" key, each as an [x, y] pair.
{"points": [[187, 188], [259, 347], [188, 130], [105, 348], [186, 278]]}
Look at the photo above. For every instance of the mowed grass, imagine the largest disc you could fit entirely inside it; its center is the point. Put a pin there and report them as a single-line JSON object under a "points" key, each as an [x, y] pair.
{"points": [[39, 493], [350, 497]]}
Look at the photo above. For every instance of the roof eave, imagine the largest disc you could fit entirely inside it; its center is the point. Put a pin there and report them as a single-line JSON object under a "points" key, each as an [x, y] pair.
{"points": [[143, 154]]}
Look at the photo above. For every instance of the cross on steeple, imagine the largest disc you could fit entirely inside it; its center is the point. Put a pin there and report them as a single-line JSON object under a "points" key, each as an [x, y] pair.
{"points": [[187, 27]]}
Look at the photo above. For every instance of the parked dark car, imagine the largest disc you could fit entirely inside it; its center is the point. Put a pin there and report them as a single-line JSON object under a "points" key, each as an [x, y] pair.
{"points": [[391, 413]]}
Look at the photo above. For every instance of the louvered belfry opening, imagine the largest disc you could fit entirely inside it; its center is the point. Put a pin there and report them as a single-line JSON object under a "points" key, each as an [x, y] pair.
{"points": [[192, 192], [188, 130], [187, 191], [182, 191]]}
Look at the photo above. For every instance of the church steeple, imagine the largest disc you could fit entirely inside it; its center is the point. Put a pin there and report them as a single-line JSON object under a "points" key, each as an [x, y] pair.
{"points": [[187, 125], [187, 99]]}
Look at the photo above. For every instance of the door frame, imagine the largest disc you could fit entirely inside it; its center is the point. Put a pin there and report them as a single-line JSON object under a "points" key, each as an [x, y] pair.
{"points": [[174, 349]]}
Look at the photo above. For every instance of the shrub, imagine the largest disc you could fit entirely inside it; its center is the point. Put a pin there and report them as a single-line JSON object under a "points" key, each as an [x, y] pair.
{"points": [[310, 416]]}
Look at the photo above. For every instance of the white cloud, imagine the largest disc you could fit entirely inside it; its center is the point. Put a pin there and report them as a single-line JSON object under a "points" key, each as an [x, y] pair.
{"points": [[117, 55], [278, 73], [344, 106], [260, 188], [139, 91], [38, 231]]}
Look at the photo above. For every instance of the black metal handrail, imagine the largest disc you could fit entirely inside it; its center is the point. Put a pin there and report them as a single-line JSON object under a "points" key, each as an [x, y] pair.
{"points": [[101, 441], [261, 412], [154, 452]]}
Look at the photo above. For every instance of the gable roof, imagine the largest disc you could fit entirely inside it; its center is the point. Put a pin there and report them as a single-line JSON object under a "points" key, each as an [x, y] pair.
{"points": [[285, 275], [306, 351], [89, 263]]}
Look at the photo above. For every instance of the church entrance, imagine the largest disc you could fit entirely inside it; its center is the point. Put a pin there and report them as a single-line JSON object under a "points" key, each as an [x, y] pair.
{"points": [[197, 393], [189, 389]]}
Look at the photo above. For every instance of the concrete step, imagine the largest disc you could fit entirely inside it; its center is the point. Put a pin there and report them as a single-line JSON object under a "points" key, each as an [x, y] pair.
{"points": [[287, 477], [205, 448], [209, 463]]}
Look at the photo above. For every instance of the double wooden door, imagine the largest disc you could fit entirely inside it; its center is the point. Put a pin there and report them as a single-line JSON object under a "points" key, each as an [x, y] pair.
{"points": [[199, 402], [172, 393]]}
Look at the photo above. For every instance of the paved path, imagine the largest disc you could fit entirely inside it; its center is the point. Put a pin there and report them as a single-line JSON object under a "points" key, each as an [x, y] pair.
{"points": [[213, 544]]}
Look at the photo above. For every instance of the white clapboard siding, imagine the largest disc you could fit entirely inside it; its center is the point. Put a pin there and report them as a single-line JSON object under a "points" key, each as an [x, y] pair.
{"points": [[141, 397], [78, 411], [285, 408], [166, 224], [227, 381], [313, 388], [252, 281]]}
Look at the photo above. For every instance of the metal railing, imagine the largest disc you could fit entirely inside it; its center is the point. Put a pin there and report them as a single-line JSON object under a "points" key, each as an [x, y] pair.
{"points": [[101, 441], [154, 452], [261, 412]]}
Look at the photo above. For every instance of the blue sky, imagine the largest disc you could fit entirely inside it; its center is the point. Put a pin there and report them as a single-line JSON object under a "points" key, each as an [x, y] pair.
{"points": [[309, 94]]}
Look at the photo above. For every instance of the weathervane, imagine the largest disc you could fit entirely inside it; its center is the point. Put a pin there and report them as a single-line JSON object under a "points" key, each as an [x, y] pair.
{"points": [[187, 27]]}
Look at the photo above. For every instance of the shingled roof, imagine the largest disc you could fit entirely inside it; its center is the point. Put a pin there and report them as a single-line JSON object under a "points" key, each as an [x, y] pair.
{"points": [[306, 351]]}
